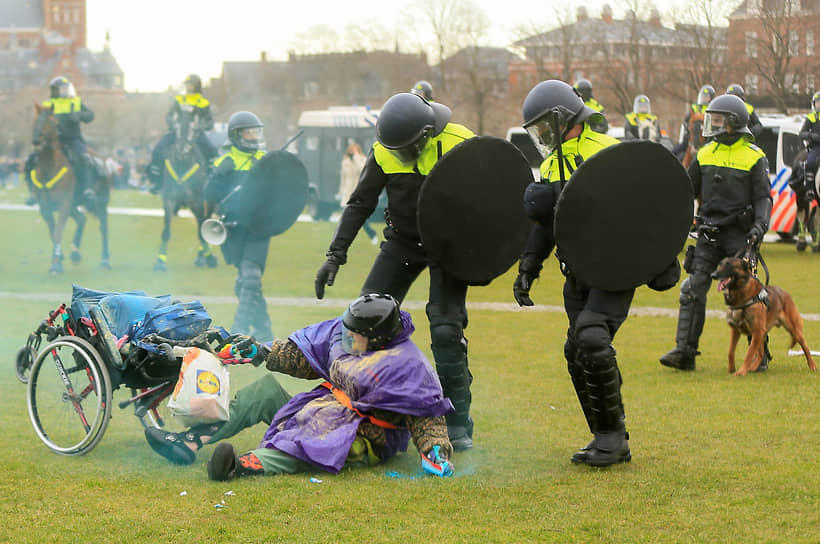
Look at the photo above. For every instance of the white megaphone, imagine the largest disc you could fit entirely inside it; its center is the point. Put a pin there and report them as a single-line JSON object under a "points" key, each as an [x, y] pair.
{"points": [[214, 231]]}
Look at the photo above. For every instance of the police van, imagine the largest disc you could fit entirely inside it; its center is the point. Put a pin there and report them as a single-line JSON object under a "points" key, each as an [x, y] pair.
{"points": [[321, 146]]}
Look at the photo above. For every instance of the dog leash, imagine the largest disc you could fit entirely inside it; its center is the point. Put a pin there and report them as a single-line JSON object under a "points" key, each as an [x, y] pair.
{"points": [[751, 254]]}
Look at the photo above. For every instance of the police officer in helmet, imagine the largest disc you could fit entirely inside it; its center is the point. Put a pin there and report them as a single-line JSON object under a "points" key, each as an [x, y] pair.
{"points": [[244, 249], [810, 133], [423, 89], [731, 176], [412, 134], [560, 124], [584, 88], [755, 126], [641, 123], [705, 95], [70, 111]]}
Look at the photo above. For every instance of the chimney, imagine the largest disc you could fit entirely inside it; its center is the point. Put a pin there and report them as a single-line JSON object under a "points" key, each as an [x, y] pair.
{"points": [[606, 14], [263, 56], [581, 14], [655, 17]]}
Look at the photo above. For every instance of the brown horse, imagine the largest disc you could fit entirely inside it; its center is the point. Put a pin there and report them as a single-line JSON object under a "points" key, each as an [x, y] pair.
{"points": [[696, 139], [53, 183]]}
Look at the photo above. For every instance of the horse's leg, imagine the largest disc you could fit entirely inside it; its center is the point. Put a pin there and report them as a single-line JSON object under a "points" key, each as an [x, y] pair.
{"points": [[102, 215], [80, 220], [57, 236], [162, 257]]}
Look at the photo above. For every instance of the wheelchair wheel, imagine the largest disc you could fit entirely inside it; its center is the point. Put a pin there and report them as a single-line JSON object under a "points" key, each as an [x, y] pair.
{"points": [[23, 362], [69, 396]]}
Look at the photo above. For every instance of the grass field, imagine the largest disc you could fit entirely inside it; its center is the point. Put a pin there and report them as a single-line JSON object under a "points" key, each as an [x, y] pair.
{"points": [[715, 458]]}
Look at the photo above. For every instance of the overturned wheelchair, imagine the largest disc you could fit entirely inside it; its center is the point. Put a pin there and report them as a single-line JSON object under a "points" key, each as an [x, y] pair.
{"points": [[103, 341]]}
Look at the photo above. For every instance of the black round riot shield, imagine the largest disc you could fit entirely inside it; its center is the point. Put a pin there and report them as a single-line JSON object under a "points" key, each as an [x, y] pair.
{"points": [[624, 215], [470, 211], [273, 195]]}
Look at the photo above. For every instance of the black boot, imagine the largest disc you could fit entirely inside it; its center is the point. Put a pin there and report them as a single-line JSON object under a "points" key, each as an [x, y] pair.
{"points": [[690, 324], [576, 373], [454, 374], [610, 445], [225, 464]]}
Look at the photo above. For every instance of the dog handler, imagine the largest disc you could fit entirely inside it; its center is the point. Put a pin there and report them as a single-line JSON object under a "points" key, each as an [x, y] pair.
{"points": [[731, 177], [555, 115]]}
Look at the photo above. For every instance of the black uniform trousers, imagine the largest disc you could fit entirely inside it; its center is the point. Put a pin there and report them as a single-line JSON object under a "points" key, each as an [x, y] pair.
{"points": [[249, 254], [396, 267]]}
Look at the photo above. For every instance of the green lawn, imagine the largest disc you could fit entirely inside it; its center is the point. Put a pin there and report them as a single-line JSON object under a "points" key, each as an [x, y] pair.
{"points": [[715, 458]]}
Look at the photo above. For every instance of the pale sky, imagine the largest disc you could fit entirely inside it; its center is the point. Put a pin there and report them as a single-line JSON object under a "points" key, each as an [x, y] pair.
{"points": [[161, 41]]}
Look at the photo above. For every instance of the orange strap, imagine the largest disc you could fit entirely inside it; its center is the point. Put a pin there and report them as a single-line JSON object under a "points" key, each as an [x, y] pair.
{"points": [[342, 397]]}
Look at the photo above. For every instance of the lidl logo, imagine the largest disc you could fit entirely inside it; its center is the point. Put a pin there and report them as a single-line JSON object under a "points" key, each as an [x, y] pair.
{"points": [[206, 382]]}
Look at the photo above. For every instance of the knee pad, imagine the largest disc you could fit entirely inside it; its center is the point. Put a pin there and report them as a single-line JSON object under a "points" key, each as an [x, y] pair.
{"points": [[447, 335], [592, 332], [694, 288], [570, 350]]}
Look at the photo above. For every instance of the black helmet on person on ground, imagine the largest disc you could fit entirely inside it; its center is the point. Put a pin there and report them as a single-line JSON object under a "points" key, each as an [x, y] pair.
{"points": [[407, 122], [584, 89], [376, 317], [423, 89], [724, 113], [737, 90], [246, 132], [550, 109]]}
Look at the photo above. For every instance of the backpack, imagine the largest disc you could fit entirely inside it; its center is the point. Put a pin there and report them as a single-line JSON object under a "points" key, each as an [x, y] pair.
{"points": [[179, 321]]}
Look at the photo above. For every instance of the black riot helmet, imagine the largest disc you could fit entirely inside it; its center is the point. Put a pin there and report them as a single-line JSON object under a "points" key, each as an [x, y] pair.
{"points": [[376, 317], [245, 131], [195, 82], [724, 112], [736, 90], [551, 108], [407, 122], [706, 94], [61, 87], [584, 89], [423, 89]]}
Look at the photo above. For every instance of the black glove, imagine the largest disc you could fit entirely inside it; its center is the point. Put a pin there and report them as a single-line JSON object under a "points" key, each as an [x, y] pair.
{"points": [[667, 279], [326, 275], [521, 288], [811, 195], [755, 234]]}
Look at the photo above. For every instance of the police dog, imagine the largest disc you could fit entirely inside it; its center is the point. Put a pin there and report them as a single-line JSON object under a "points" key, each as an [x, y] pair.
{"points": [[754, 311]]}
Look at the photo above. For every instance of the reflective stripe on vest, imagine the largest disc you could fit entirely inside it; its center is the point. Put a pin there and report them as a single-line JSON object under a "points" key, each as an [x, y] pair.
{"points": [[741, 155], [452, 135], [196, 100], [64, 105], [241, 160]]}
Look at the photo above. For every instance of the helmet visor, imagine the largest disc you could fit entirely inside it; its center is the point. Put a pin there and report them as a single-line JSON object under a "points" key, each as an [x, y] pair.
{"points": [[548, 131], [411, 152], [353, 342], [252, 138], [65, 90], [714, 123], [705, 96]]}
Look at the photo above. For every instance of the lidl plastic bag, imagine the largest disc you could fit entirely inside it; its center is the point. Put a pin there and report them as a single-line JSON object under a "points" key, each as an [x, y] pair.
{"points": [[201, 394]]}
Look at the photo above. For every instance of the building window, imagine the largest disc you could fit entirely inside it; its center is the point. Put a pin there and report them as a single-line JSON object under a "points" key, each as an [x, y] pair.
{"points": [[809, 83], [809, 43], [794, 43], [793, 83], [751, 45], [751, 84]]}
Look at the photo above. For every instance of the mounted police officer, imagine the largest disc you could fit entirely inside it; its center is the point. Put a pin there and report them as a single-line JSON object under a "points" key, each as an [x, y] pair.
{"points": [[584, 87], [190, 101], [731, 176], [423, 89], [705, 95], [412, 135], [810, 133], [70, 112], [559, 123], [641, 123], [244, 249], [755, 126]]}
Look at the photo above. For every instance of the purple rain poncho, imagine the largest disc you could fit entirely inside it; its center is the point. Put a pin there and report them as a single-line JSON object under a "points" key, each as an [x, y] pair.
{"points": [[315, 427]]}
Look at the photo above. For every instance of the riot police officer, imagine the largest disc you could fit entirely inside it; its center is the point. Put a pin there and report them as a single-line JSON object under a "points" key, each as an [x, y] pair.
{"points": [[584, 87], [412, 134], [559, 123], [731, 176], [641, 123], [810, 133], [244, 249], [70, 111], [755, 126], [705, 95], [190, 100], [423, 89]]}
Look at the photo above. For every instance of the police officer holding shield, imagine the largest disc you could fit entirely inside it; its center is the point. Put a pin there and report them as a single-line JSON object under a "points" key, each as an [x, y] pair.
{"points": [[412, 135], [245, 249], [731, 176], [560, 124]]}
